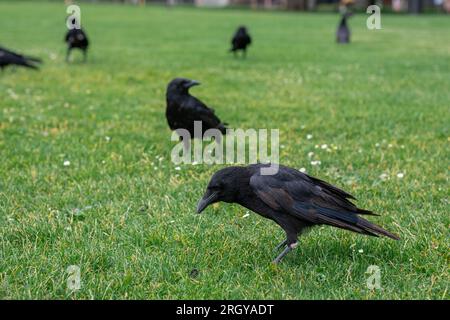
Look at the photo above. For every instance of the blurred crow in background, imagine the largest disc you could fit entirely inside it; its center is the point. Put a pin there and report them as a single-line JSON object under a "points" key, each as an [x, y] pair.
{"points": [[343, 32], [183, 109], [292, 199], [240, 41], [8, 57], [76, 38]]}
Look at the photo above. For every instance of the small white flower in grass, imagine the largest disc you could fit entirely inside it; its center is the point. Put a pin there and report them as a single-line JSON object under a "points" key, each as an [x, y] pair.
{"points": [[400, 175], [361, 251], [309, 136], [377, 145], [246, 215], [310, 154], [402, 146], [316, 163], [390, 145], [172, 221], [12, 94], [108, 139], [66, 163], [324, 146], [302, 170], [177, 168], [282, 146], [384, 176], [155, 168]]}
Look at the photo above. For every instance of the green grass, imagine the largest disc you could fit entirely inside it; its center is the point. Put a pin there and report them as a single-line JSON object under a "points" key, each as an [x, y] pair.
{"points": [[127, 218]]}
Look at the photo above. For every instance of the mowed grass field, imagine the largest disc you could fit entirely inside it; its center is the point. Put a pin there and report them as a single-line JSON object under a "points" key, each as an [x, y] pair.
{"points": [[86, 177]]}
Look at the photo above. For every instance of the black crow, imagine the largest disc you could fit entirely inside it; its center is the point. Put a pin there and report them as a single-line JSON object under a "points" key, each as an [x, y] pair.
{"points": [[292, 199], [183, 109], [76, 38], [8, 57], [240, 41], [343, 32]]}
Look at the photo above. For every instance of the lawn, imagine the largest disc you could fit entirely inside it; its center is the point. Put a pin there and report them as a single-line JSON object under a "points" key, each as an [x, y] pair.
{"points": [[86, 177]]}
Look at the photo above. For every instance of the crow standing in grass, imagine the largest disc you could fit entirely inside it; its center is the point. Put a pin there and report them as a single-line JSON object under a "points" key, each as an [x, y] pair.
{"points": [[292, 199], [240, 41], [343, 32], [183, 109], [76, 38], [8, 57]]}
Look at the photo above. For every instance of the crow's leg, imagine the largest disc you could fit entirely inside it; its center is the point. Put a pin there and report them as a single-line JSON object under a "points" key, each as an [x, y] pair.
{"points": [[285, 252], [68, 54], [281, 245]]}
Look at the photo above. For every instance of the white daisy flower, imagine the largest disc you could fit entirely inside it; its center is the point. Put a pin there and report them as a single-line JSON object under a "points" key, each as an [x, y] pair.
{"points": [[309, 136], [66, 163]]}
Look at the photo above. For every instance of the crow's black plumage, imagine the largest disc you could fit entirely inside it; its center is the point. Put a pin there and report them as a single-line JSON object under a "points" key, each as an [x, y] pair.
{"points": [[76, 38], [8, 57], [183, 109], [292, 199], [343, 32], [240, 41]]}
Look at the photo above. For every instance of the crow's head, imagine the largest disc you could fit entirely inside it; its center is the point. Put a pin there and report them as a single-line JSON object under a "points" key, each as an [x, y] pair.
{"points": [[223, 186], [181, 85], [242, 30]]}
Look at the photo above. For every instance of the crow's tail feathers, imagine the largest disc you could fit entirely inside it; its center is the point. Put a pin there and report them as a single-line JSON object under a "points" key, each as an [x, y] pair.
{"points": [[373, 229], [27, 64], [34, 59], [351, 221]]}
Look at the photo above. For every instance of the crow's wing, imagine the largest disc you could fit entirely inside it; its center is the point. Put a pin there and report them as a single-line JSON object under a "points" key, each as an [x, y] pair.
{"points": [[248, 39], [312, 200], [194, 109]]}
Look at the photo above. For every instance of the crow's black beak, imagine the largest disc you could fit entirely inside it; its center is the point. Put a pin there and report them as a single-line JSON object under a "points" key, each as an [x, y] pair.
{"points": [[207, 199], [192, 83]]}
